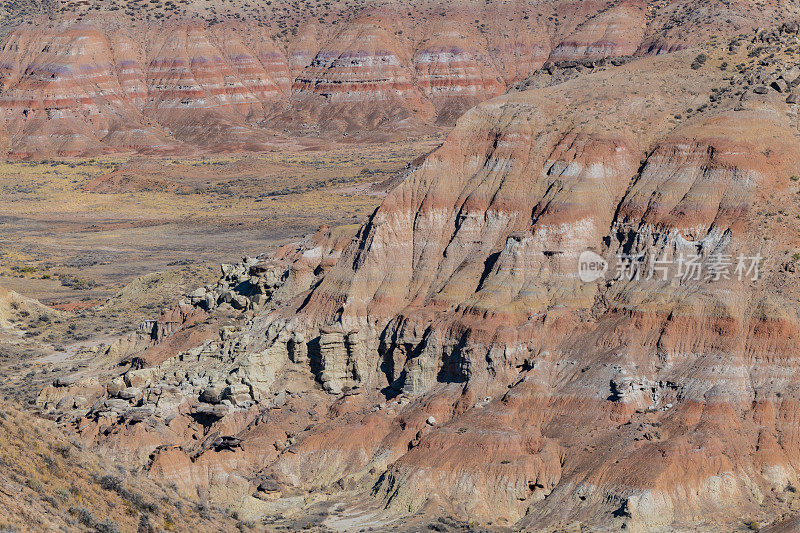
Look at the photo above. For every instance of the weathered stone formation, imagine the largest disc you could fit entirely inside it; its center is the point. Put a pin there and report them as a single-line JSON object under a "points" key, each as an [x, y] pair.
{"points": [[104, 84], [468, 275], [201, 360], [241, 286], [450, 359], [260, 283], [343, 363], [298, 348]]}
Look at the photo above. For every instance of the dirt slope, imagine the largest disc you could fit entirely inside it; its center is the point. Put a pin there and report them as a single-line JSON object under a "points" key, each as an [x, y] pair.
{"points": [[52, 483]]}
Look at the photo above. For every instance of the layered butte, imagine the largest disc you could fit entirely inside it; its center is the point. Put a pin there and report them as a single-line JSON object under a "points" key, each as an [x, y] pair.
{"points": [[111, 82]]}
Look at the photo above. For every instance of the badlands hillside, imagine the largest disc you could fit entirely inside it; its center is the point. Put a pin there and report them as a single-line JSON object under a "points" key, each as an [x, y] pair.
{"points": [[444, 365], [91, 77], [578, 312]]}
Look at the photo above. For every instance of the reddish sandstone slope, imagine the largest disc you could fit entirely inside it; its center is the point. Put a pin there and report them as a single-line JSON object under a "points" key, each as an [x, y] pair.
{"points": [[448, 359], [105, 78]]}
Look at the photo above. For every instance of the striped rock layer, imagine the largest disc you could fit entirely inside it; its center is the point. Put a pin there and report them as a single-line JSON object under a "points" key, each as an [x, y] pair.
{"points": [[106, 84]]}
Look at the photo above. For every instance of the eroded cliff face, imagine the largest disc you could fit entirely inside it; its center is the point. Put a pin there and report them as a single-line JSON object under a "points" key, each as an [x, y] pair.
{"points": [[637, 394], [484, 292], [449, 359], [105, 84]]}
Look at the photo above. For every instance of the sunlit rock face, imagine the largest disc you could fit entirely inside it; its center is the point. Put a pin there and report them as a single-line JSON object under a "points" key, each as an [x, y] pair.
{"points": [[596, 398], [448, 358], [106, 84]]}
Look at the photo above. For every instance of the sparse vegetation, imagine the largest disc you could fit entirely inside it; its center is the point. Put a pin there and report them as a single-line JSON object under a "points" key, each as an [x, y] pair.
{"points": [[269, 197], [699, 61], [71, 486]]}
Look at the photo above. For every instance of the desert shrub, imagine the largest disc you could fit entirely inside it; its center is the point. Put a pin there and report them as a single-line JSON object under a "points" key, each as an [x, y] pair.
{"points": [[51, 500], [112, 483], [107, 526], [35, 485], [699, 61], [83, 515]]}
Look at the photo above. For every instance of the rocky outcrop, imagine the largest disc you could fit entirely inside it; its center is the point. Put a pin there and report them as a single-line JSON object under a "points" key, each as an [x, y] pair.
{"points": [[342, 361]]}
